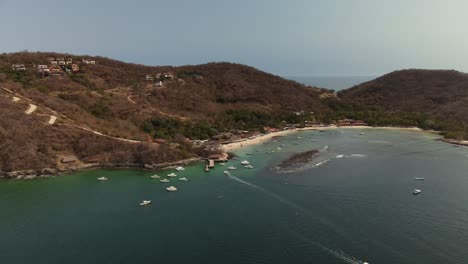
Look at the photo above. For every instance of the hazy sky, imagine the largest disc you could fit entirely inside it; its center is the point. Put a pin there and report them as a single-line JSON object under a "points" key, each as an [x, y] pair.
{"points": [[289, 37]]}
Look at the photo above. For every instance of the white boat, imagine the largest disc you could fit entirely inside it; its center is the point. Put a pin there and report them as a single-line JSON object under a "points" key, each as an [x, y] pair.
{"points": [[171, 189], [222, 164], [362, 134], [172, 175], [184, 179], [226, 172], [419, 179], [155, 176], [417, 191], [180, 168], [145, 202], [165, 181], [102, 179], [339, 156], [249, 166], [299, 137], [231, 168], [245, 162]]}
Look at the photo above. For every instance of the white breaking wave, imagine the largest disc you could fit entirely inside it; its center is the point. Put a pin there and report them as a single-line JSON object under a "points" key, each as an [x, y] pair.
{"points": [[320, 163], [357, 156]]}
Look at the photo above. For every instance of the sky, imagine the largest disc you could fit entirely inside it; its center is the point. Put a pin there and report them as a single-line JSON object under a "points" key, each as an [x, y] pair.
{"points": [[288, 38]]}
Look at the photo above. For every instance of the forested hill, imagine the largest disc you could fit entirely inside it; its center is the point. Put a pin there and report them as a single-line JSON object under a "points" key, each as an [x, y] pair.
{"points": [[442, 94], [97, 100]]}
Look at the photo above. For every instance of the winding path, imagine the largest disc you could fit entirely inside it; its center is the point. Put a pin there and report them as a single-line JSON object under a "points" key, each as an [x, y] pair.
{"points": [[31, 109]]}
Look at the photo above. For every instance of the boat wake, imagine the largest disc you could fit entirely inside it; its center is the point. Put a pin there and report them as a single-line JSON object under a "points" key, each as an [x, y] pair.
{"points": [[357, 156], [337, 254], [320, 163]]}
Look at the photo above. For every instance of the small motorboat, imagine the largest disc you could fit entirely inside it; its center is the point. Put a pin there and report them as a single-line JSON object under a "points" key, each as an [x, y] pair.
{"points": [[419, 179], [155, 176], [180, 168], [222, 164], [165, 180], [172, 175], [102, 179], [417, 191], [249, 166], [145, 202], [184, 179], [171, 189], [231, 168], [227, 172], [299, 137], [207, 169], [362, 134], [245, 162], [339, 156]]}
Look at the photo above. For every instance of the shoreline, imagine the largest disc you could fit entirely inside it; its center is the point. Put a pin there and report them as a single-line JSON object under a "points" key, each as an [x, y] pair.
{"points": [[51, 172], [265, 137]]}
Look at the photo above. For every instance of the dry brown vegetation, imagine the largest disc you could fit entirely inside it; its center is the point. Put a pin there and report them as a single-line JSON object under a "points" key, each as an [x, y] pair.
{"points": [[114, 98]]}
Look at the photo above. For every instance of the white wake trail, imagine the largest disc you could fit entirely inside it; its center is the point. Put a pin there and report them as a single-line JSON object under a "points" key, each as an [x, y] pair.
{"points": [[338, 254]]}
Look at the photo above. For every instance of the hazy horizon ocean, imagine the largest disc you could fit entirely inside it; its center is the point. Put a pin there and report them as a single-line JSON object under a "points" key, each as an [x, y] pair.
{"points": [[354, 203], [336, 83]]}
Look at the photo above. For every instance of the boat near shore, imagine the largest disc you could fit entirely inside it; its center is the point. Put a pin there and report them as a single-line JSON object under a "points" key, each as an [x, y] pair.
{"points": [[184, 179], [102, 179], [232, 168], [180, 168], [155, 176], [165, 180], [172, 175], [171, 189], [416, 191]]}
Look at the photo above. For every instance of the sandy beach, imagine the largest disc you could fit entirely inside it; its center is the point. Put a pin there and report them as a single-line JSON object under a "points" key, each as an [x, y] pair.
{"points": [[265, 137]]}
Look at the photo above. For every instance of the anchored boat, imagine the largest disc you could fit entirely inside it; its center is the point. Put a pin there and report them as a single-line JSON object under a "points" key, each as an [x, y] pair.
{"points": [[171, 189]]}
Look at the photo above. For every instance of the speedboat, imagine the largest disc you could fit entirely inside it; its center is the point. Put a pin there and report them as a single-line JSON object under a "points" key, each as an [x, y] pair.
{"points": [[180, 168], [245, 162], [172, 175], [184, 179], [226, 172], [165, 180], [419, 179], [102, 179], [155, 176], [171, 189], [231, 168], [145, 202], [299, 137], [362, 134], [339, 156], [222, 164], [249, 166], [417, 191]]}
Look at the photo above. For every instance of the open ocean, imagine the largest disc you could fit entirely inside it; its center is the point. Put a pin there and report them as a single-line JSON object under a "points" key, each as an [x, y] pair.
{"points": [[354, 203], [334, 83]]}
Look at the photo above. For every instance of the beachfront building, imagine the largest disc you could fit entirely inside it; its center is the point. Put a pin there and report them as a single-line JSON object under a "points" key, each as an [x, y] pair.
{"points": [[351, 122]]}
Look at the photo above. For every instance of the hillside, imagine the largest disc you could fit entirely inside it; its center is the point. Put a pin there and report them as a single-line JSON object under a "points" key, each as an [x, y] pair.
{"points": [[110, 109], [441, 94]]}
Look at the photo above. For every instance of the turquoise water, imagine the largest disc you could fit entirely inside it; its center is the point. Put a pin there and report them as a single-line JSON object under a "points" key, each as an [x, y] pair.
{"points": [[346, 210]]}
